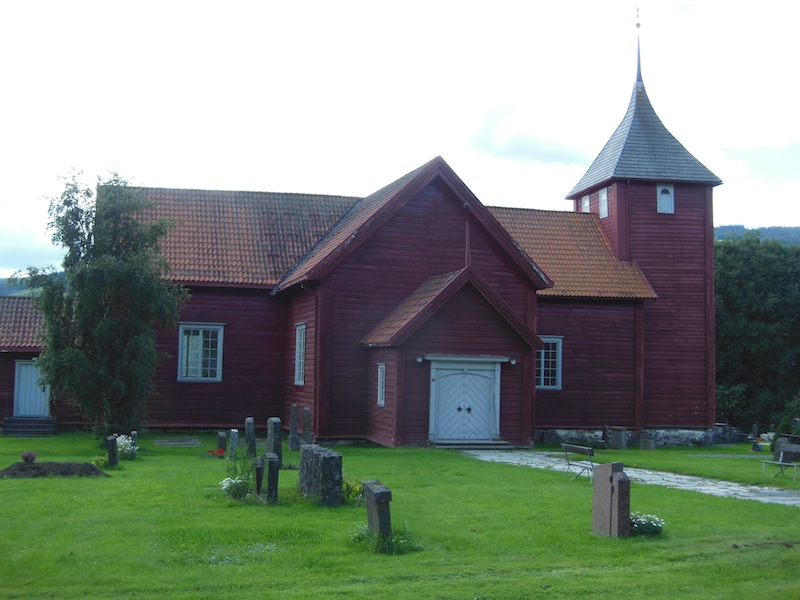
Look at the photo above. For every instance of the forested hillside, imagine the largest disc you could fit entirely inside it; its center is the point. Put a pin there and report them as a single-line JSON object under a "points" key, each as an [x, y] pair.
{"points": [[784, 235]]}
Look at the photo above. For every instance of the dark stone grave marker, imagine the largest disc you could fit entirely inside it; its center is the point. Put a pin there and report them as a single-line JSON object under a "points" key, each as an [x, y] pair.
{"points": [[377, 497], [275, 438], [113, 452], [294, 439], [250, 436], [321, 474], [273, 470]]}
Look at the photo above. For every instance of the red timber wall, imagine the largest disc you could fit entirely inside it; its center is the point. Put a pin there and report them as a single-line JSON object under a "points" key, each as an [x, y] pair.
{"points": [[467, 326], [385, 422], [598, 378], [302, 309], [425, 238], [676, 253], [252, 363]]}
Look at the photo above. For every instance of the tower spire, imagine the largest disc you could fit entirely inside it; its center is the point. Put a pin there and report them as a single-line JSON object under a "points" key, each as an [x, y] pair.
{"points": [[638, 50]]}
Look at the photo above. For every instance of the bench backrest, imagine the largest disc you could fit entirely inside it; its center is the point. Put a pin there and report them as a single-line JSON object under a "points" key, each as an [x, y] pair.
{"points": [[786, 452], [585, 450]]}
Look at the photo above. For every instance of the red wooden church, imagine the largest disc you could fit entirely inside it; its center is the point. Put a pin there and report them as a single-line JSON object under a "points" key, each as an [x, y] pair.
{"points": [[418, 315]]}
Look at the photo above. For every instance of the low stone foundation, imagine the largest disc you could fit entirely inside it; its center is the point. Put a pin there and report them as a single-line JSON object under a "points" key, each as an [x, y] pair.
{"points": [[720, 434]]}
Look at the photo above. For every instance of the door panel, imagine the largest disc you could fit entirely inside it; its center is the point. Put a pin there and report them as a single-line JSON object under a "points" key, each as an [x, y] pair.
{"points": [[30, 399], [464, 404]]}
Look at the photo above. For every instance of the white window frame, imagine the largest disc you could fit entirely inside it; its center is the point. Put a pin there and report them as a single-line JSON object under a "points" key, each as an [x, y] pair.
{"points": [[197, 362], [553, 344], [586, 203], [381, 384], [300, 354], [602, 199], [665, 202]]}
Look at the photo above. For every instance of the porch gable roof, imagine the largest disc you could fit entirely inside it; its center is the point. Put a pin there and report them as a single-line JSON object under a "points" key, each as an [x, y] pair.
{"points": [[432, 295]]}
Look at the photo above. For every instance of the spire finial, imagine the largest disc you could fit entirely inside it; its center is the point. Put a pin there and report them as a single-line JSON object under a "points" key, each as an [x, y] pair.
{"points": [[638, 51]]}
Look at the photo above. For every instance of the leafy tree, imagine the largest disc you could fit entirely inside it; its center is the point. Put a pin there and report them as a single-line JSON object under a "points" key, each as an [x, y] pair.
{"points": [[758, 329], [99, 345]]}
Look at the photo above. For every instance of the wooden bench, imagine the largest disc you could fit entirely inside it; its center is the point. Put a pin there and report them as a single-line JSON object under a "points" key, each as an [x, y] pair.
{"points": [[782, 462], [583, 451]]}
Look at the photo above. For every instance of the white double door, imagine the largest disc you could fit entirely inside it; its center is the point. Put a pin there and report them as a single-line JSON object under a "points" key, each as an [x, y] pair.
{"points": [[465, 400]]}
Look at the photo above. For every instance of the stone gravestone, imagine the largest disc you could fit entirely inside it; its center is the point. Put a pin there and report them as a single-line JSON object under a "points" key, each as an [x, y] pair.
{"points": [[233, 443], [273, 470], [294, 439], [611, 501], [259, 475], [378, 496], [617, 438], [250, 436], [321, 474], [306, 425], [221, 441], [113, 452], [275, 438], [135, 437]]}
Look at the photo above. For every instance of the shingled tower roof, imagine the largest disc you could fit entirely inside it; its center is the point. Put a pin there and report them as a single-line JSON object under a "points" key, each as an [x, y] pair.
{"points": [[642, 148]]}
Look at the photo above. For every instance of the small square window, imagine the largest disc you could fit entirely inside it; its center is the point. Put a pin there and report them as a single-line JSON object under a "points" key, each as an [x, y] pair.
{"points": [[666, 198], [200, 352], [603, 200]]}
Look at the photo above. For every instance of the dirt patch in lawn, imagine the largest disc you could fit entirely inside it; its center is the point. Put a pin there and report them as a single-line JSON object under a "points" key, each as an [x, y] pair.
{"points": [[23, 470]]}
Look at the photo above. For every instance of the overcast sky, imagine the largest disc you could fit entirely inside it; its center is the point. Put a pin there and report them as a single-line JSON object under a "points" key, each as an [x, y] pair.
{"points": [[343, 97]]}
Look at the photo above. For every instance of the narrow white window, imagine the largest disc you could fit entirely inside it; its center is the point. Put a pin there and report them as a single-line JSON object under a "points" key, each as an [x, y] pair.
{"points": [[381, 384], [666, 198], [548, 364], [300, 354], [200, 352], [603, 198], [586, 204]]}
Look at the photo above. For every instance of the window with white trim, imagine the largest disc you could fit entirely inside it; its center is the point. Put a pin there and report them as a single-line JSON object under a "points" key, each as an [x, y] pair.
{"points": [[200, 352], [586, 204], [381, 384], [548, 364], [665, 201], [603, 200], [300, 354]]}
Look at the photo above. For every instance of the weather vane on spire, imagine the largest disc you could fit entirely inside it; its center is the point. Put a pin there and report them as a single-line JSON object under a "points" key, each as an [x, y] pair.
{"points": [[638, 24]]}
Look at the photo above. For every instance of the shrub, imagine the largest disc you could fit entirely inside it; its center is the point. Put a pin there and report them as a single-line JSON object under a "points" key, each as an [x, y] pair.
{"points": [[352, 491], [126, 447], [649, 525], [241, 475], [236, 487], [28, 456]]}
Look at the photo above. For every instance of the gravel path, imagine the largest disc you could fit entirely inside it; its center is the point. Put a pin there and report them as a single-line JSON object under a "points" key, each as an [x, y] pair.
{"points": [[543, 460]]}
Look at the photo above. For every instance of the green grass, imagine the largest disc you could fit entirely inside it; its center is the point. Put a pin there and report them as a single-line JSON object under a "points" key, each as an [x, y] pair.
{"points": [[159, 527]]}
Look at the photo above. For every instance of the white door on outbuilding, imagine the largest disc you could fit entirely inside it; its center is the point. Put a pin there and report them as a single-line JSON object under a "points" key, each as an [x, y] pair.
{"points": [[30, 398], [465, 398]]}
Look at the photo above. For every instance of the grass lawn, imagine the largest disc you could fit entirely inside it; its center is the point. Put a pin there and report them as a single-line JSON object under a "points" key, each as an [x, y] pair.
{"points": [[160, 527]]}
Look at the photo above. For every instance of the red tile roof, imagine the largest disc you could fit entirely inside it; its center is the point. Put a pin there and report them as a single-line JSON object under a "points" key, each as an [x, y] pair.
{"points": [[20, 324], [241, 238], [275, 240], [575, 253]]}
